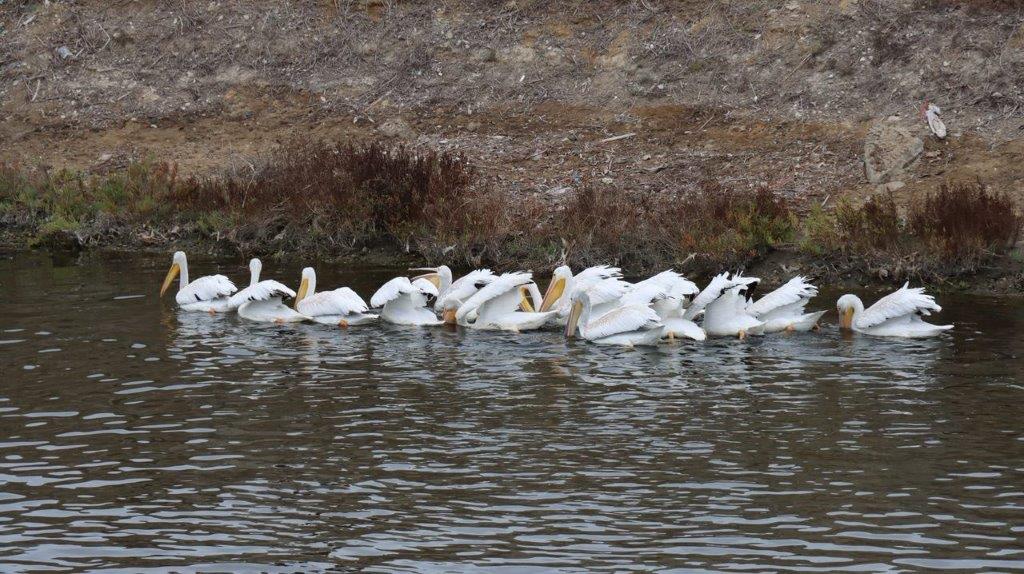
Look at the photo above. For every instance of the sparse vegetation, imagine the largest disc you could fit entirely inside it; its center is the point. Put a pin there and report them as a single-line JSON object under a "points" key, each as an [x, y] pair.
{"points": [[643, 232], [964, 222], [339, 200], [954, 230]]}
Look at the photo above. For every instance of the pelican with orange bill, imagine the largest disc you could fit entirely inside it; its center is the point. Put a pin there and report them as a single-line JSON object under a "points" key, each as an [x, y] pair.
{"points": [[210, 294]]}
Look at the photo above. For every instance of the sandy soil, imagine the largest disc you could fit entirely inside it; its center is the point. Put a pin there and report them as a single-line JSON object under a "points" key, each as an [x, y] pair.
{"points": [[740, 91]]}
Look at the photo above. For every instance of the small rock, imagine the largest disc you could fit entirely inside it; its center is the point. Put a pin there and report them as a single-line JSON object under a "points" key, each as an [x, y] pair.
{"points": [[105, 157], [522, 54], [889, 151], [396, 128], [891, 186], [484, 54], [607, 180], [64, 52]]}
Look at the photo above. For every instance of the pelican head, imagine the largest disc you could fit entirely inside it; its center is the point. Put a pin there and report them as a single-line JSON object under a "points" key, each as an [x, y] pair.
{"points": [[255, 268], [178, 262], [307, 287], [848, 306], [440, 276], [561, 278]]}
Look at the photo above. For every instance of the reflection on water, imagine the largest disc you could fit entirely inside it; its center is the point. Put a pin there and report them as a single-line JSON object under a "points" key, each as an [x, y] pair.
{"points": [[138, 439]]}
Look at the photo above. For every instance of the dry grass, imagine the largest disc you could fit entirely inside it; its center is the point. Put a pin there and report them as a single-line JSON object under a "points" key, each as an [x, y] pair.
{"points": [[716, 225], [335, 200], [324, 196], [971, 6], [343, 195], [952, 231], [963, 222], [872, 227]]}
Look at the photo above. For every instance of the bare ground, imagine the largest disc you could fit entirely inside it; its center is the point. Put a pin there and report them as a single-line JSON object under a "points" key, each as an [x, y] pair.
{"points": [[738, 91]]}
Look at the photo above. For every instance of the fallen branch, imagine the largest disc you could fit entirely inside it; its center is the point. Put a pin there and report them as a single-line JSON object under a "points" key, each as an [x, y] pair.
{"points": [[616, 138]]}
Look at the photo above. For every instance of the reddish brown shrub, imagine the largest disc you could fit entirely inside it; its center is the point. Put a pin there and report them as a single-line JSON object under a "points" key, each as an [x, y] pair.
{"points": [[963, 221], [873, 226]]}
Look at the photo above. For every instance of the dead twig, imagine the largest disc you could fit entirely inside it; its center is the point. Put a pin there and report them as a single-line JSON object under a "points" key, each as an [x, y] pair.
{"points": [[618, 137]]}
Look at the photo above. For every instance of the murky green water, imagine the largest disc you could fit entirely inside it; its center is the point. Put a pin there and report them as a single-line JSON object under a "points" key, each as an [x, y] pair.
{"points": [[136, 439]]}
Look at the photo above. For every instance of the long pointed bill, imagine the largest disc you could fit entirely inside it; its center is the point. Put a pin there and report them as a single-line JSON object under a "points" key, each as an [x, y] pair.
{"points": [[846, 320], [432, 277], [553, 294], [171, 274], [303, 289], [574, 317], [524, 300]]}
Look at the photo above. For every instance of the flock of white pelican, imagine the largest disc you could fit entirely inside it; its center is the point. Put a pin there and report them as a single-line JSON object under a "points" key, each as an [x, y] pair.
{"points": [[596, 304]]}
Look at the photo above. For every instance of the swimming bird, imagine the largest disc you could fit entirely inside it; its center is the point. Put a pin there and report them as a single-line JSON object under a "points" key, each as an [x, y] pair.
{"points": [[341, 307], [404, 302], [497, 305], [714, 289], [727, 315], [459, 291], [254, 289], [264, 302], [210, 293], [783, 308], [676, 294], [898, 314], [627, 325], [932, 113], [564, 285]]}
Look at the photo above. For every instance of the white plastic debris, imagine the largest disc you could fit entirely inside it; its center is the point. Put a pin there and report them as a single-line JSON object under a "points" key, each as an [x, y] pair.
{"points": [[932, 113]]}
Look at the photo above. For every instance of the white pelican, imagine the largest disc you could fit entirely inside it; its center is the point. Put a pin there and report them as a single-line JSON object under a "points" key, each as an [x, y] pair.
{"points": [[932, 113], [265, 302], [897, 314], [255, 268], [496, 305], [341, 307], [210, 293], [783, 308], [564, 285], [676, 292], [404, 302], [262, 300], [715, 288], [628, 325], [727, 315], [459, 291]]}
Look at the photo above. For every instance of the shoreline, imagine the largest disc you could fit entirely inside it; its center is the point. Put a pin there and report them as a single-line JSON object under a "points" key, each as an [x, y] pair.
{"points": [[1002, 278], [377, 204]]}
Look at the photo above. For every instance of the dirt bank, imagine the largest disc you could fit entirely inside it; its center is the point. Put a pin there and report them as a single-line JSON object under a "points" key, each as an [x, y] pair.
{"points": [[647, 96], [737, 91]]}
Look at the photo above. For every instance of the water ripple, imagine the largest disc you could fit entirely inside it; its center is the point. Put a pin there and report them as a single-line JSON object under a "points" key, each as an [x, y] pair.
{"points": [[149, 440]]}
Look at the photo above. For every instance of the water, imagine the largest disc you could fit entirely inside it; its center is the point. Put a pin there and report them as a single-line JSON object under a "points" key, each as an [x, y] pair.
{"points": [[138, 439]]}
